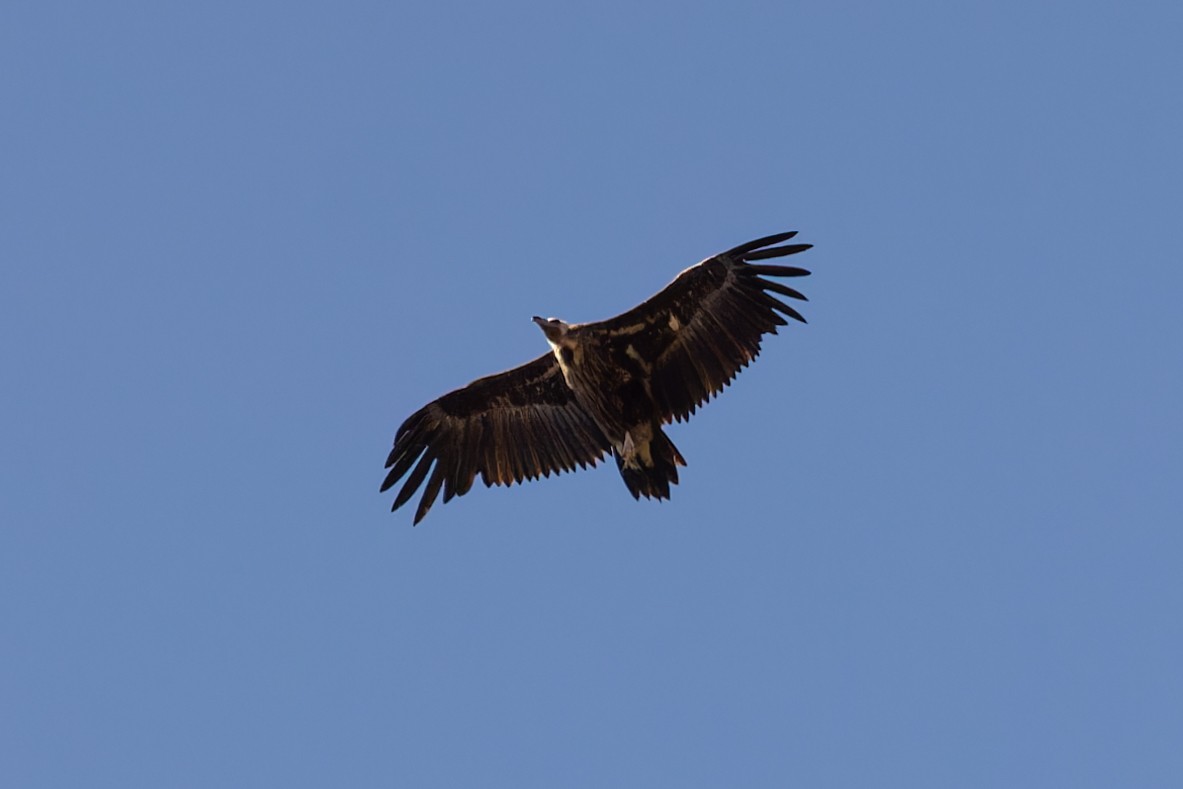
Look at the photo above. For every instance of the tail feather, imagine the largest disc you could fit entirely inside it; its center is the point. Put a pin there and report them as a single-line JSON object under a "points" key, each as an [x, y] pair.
{"points": [[652, 480]]}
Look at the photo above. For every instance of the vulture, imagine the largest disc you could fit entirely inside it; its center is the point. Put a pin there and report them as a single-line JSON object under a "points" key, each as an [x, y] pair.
{"points": [[603, 387]]}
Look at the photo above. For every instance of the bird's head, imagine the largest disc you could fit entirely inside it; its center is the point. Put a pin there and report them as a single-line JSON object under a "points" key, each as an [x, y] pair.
{"points": [[554, 329]]}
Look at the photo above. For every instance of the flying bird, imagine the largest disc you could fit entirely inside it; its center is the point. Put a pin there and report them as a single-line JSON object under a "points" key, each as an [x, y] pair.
{"points": [[604, 387]]}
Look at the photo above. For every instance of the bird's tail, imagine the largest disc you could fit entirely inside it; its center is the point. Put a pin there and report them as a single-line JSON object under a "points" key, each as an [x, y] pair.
{"points": [[650, 469]]}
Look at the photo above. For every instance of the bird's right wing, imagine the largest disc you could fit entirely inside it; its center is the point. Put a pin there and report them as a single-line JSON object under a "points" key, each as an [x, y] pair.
{"points": [[517, 425]]}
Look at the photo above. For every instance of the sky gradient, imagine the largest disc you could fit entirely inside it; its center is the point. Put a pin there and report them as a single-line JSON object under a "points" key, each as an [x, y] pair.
{"points": [[931, 539]]}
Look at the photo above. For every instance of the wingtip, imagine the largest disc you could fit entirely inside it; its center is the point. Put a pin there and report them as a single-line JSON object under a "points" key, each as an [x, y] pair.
{"points": [[765, 241], [775, 252]]}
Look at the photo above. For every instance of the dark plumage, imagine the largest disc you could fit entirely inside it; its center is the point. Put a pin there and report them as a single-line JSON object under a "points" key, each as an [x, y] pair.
{"points": [[607, 386]]}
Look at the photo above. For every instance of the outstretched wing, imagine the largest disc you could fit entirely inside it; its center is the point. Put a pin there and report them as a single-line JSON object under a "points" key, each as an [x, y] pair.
{"points": [[517, 425], [693, 337]]}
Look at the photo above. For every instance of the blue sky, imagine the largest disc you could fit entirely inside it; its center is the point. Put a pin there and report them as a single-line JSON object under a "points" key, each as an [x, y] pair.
{"points": [[931, 539]]}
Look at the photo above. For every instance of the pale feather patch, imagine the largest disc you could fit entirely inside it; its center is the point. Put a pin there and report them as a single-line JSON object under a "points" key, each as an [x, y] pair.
{"points": [[628, 452], [637, 452], [564, 368], [674, 324], [641, 361]]}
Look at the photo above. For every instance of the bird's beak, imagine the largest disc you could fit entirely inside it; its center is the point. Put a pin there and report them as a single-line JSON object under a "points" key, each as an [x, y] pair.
{"points": [[538, 320]]}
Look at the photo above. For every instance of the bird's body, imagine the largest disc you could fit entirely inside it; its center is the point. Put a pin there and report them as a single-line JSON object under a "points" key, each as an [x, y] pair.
{"points": [[607, 386], [611, 383]]}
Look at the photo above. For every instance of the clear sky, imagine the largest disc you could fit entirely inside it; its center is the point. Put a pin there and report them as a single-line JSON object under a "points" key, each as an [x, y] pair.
{"points": [[932, 539]]}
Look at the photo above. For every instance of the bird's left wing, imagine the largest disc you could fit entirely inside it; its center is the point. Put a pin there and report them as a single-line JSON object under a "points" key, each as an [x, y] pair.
{"points": [[695, 335], [517, 425]]}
